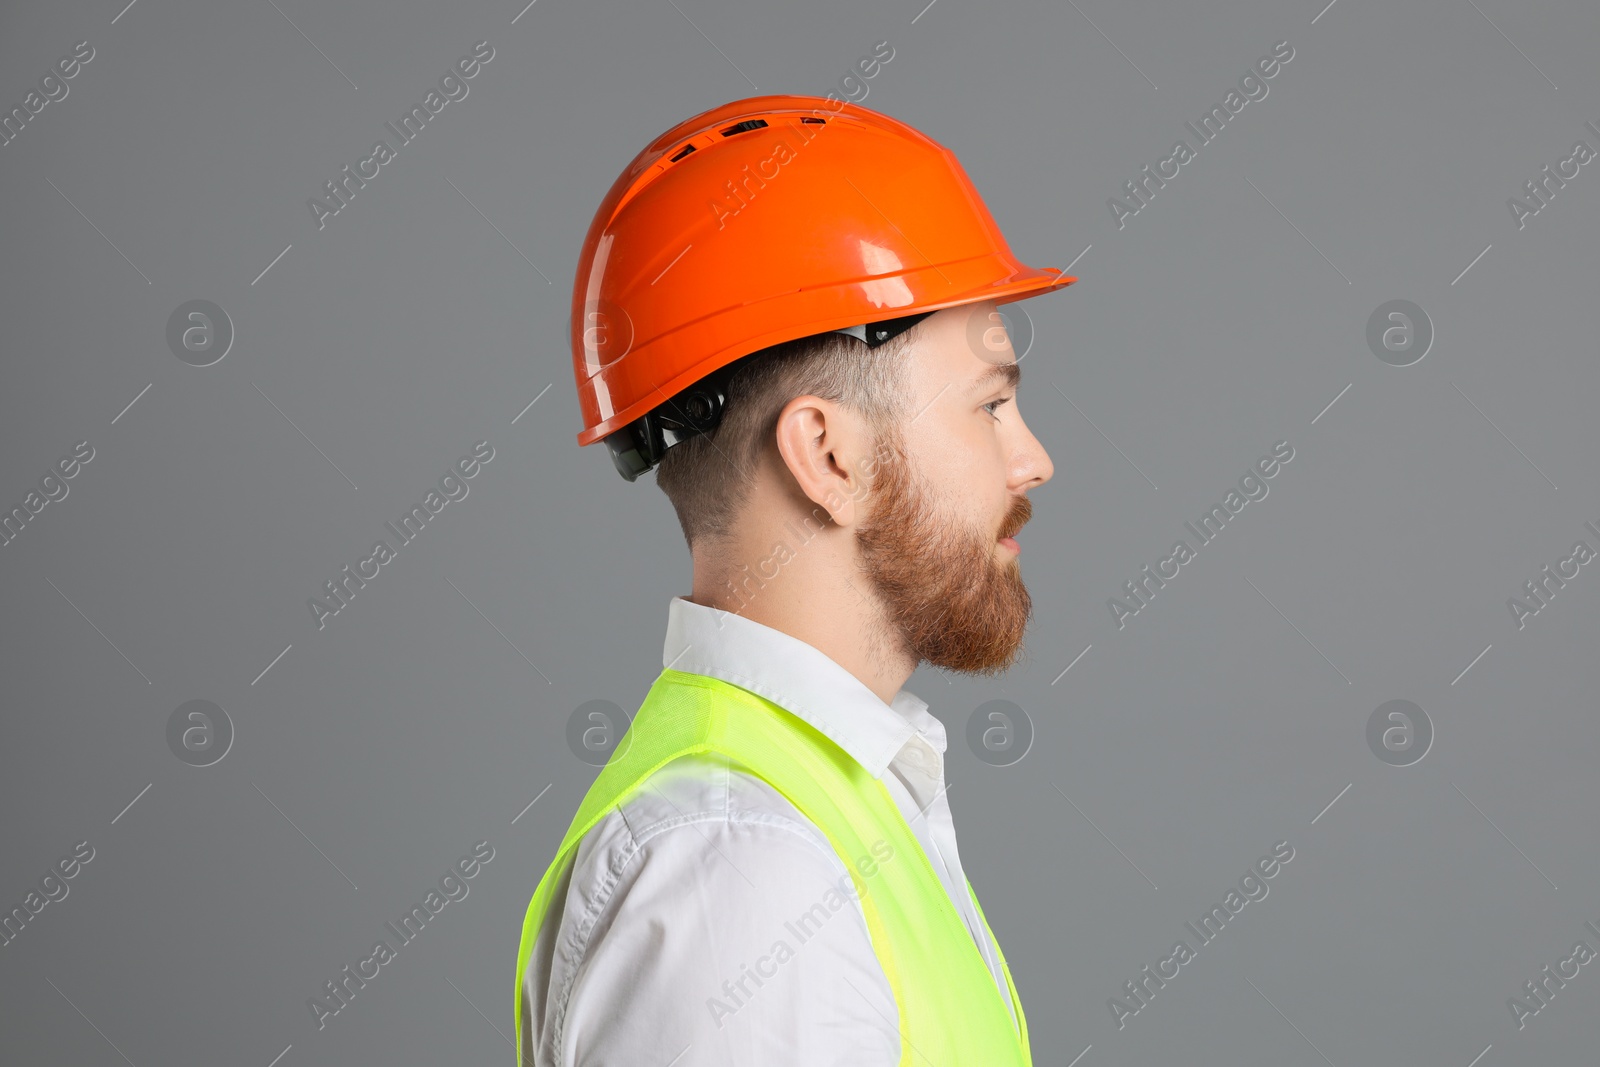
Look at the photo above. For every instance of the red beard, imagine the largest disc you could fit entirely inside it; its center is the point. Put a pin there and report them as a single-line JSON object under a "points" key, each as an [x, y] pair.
{"points": [[954, 603]]}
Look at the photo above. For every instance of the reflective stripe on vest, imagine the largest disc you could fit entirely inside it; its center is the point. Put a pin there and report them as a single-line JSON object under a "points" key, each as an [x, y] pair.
{"points": [[951, 1013]]}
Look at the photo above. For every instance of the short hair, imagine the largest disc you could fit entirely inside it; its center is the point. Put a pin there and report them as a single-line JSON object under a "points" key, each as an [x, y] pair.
{"points": [[709, 477]]}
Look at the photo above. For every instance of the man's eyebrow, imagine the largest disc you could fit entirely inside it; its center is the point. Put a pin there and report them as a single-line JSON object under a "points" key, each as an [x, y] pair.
{"points": [[1007, 373]]}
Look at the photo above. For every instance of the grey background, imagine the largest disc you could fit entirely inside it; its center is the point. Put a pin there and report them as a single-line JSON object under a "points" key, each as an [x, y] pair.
{"points": [[374, 752]]}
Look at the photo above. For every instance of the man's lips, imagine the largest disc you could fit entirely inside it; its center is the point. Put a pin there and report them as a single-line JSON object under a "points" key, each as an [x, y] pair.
{"points": [[1015, 522]]}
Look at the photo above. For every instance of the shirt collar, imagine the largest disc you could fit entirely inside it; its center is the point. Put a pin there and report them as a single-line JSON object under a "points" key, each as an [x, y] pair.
{"points": [[799, 678]]}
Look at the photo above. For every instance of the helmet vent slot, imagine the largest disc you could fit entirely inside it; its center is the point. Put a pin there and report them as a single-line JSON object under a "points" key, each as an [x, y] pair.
{"points": [[815, 122], [680, 153], [744, 127]]}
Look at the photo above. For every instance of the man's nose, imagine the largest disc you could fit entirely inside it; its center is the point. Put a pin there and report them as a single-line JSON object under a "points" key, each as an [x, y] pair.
{"points": [[1030, 463]]}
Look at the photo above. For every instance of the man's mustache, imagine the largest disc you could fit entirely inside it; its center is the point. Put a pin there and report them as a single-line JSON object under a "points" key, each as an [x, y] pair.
{"points": [[1018, 517]]}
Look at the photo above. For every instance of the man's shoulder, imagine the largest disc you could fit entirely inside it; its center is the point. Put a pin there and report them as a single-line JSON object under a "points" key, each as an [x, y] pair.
{"points": [[680, 903], [704, 848], [695, 805]]}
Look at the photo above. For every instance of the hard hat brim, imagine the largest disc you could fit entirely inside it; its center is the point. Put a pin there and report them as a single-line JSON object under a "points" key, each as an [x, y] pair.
{"points": [[1020, 285]]}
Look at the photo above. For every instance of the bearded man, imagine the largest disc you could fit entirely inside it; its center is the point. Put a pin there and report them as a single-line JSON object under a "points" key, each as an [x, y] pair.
{"points": [[766, 870]]}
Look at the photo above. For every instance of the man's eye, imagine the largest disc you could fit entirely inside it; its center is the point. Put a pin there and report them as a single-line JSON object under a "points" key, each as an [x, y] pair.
{"points": [[991, 405]]}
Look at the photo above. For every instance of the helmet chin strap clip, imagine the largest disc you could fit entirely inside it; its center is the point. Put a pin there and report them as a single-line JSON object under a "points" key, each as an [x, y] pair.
{"points": [[639, 446]]}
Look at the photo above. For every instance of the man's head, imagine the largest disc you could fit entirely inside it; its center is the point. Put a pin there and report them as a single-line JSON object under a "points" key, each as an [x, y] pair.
{"points": [[876, 481]]}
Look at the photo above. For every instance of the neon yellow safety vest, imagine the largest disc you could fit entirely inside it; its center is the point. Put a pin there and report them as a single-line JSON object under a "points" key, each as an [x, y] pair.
{"points": [[951, 1011]]}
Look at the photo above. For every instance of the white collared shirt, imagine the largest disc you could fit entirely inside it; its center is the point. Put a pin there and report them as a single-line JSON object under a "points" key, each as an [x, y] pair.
{"points": [[689, 924]]}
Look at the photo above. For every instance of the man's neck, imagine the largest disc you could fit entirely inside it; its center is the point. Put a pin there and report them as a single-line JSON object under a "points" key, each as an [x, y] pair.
{"points": [[824, 606]]}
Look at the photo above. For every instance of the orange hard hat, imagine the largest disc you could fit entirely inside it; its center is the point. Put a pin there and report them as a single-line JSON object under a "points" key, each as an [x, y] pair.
{"points": [[762, 221]]}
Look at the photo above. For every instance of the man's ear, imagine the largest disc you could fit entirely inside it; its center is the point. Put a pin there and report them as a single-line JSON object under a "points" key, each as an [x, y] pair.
{"points": [[823, 447]]}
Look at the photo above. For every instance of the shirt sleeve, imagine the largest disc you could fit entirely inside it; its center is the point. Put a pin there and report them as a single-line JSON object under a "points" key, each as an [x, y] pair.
{"points": [[729, 939]]}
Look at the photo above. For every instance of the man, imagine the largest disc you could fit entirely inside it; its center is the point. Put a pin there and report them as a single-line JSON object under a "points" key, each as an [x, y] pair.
{"points": [[790, 309]]}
